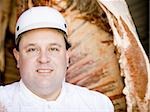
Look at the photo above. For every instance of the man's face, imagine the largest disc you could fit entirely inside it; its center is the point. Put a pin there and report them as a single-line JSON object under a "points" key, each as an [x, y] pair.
{"points": [[42, 59]]}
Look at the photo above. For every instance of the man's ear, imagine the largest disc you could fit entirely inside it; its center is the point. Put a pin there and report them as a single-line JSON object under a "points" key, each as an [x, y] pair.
{"points": [[16, 54]]}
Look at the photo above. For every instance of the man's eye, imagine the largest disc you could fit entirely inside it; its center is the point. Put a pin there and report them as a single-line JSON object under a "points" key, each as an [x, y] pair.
{"points": [[32, 50], [54, 49]]}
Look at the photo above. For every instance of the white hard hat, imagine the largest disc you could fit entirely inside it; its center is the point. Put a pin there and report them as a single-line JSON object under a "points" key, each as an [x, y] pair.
{"points": [[39, 17]]}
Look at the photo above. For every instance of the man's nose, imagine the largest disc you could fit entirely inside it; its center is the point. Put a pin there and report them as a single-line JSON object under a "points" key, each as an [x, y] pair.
{"points": [[43, 57]]}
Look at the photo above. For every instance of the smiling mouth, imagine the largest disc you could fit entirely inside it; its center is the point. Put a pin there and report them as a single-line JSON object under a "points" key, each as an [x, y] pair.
{"points": [[44, 70]]}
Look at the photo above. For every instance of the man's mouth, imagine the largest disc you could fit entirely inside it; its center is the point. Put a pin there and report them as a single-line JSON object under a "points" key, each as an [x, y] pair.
{"points": [[44, 70]]}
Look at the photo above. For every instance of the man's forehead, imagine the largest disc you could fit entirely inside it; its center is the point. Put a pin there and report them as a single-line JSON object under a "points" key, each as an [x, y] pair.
{"points": [[26, 35], [44, 29], [48, 44]]}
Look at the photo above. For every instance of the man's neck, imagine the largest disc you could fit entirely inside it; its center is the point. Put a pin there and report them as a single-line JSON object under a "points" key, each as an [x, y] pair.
{"points": [[45, 93], [51, 96]]}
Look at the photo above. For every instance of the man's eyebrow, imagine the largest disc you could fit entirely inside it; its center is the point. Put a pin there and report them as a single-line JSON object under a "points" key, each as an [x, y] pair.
{"points": [[31, 44], [50, 44], [55, 44]]}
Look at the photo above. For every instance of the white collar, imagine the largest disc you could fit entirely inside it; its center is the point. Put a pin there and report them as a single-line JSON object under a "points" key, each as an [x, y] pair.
{"points": [[33, 97]]}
